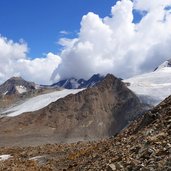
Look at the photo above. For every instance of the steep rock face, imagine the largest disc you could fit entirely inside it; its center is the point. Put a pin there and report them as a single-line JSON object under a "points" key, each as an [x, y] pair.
{"points": [[96, 112]]}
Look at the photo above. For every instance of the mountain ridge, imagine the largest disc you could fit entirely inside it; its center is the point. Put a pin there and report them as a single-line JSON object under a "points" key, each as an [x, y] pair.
{"points": [[73, 83], [93, 113]]}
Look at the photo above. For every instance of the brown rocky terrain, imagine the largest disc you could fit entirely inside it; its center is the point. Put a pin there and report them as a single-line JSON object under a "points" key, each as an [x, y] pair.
{"points": [[95, 113], [144, 145]]}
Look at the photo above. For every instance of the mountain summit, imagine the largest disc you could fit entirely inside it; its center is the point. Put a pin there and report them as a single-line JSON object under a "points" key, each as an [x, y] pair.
{"points": [[16, 85], [164, 64]]}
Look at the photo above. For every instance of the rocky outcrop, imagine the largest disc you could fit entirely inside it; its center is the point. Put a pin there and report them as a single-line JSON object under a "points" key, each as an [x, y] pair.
{"points": [[94, 113]]}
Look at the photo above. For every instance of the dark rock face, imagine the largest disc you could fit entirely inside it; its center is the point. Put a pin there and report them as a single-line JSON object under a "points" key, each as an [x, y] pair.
{"points": [[74, 83], [9, 87], [97, 112]]}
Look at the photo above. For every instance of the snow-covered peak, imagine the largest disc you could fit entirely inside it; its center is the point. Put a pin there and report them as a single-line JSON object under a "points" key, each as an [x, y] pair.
{"points": [[164, 65]]}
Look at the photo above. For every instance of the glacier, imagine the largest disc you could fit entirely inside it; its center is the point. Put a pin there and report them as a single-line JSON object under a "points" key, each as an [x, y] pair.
{"points": [[38, 102], [153, 87]]}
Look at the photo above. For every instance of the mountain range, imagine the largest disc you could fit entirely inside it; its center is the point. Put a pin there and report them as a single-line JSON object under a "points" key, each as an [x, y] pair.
{"points": [[97, 112], [143, 145], [127, 119], [73, 83], [90, 109]]}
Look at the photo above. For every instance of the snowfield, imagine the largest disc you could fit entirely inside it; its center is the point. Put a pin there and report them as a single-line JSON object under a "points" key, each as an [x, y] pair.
{"points": [[153, 87], [38, 102]]}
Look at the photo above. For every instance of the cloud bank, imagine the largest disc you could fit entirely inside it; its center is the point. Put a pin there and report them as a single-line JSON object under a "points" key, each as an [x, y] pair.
{"points": [[14, 62], [115, 44]]}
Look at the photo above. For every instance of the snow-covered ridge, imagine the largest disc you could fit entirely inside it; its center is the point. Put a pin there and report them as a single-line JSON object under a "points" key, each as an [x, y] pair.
{"points": [[153, 87], [38, 102], [164, 64]]}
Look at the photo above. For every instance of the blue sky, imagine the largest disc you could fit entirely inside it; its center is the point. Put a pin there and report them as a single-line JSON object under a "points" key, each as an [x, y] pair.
{"points": [[108, 40], [39, 22]]}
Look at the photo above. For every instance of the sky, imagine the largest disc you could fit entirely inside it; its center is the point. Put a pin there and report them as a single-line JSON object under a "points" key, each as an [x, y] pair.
{"points": [[45, 41], [41, 23]]}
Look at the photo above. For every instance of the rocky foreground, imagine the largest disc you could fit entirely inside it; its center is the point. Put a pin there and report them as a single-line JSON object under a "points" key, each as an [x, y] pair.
{"points": [[145, 145]]}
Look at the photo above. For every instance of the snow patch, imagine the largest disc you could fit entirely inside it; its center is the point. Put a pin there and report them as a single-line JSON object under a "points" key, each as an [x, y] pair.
{"points": [[36, 158], [21, 89], [38, 102], [74, 83], [5, 157]]}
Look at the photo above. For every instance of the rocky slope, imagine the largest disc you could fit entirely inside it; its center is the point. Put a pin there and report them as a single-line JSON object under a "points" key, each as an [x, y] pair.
{"points": [[144, 145], [94, 113]]}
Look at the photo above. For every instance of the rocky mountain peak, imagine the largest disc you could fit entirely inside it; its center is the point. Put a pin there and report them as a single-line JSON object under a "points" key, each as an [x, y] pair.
{"points": [[16, 85]]}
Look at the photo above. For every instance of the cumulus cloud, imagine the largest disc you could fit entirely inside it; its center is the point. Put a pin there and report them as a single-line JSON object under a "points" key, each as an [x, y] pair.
{"points": [[114, 44], [14, 62]]}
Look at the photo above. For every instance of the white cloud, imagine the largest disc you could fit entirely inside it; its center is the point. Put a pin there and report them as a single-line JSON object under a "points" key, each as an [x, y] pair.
{"points": [[14, 62], [151, 5], [64, 32], [115, 44]]}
